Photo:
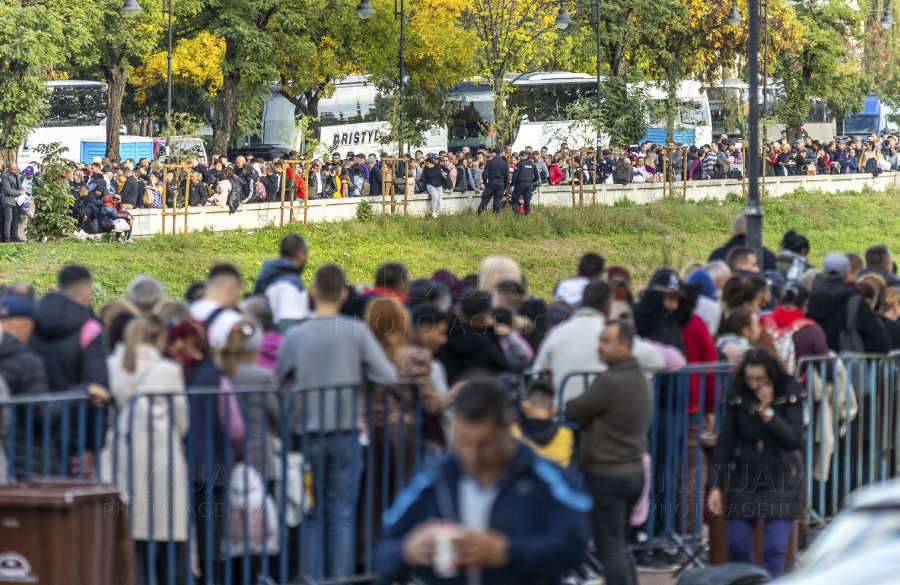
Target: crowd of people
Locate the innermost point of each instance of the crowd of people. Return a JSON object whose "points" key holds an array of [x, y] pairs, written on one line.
{"points": [[454, 337], [104, 191]]}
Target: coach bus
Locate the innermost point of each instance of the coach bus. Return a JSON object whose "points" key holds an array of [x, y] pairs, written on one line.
{"points": [[730, 94], [542, 100], [348, 119], [75, 110]]}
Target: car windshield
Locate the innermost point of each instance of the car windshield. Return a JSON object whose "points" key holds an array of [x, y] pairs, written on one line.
{"points": [[848, 534], [861, 124]]}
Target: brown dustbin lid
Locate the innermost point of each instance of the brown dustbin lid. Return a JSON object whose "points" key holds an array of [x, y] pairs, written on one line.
{"points": [[55, 493]]}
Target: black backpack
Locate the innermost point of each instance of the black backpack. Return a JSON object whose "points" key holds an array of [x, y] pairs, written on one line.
{"points": [[850, 340], [235, 196], [460, 179]]}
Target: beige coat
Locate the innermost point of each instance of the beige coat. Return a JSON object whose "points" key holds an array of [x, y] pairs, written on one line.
{"points": [[154, 469]]}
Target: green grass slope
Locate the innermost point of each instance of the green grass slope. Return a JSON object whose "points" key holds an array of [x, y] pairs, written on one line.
{"points": [[547, 244]]}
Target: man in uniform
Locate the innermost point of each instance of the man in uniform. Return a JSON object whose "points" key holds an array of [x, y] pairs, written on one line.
{"points": [[523, 183], [496, 179]]}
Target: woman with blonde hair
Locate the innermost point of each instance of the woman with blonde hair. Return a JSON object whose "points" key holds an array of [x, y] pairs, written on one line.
{"points": [[150, 464]]}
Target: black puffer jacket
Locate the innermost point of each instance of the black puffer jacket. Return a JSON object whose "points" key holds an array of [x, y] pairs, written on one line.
{"points": [[22, 369], [469, 352], [828, 308], [758, 465], [73, 348]]}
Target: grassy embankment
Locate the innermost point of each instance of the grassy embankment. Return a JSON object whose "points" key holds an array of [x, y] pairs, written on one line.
{"points": [[547, 244]]}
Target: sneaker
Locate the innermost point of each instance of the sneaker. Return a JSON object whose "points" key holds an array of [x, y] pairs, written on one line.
{"points": [[434, 214], [648, 562]]}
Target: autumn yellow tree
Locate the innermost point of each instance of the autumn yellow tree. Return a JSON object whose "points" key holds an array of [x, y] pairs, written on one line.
{"points": [[512, 36], [196, 71], [437, 57]]}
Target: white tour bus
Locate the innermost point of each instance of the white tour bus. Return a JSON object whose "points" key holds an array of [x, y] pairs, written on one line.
{"points": [[347, 122], [76, 110], [543, 98]]}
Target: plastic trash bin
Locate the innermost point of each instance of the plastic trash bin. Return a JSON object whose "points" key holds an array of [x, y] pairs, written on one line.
{"points": [[61, 532]]}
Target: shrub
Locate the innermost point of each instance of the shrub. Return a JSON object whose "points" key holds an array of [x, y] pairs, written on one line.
{"points": [[52, 198]]}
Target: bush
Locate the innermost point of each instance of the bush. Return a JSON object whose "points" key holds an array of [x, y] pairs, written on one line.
{"points": [[52, 198], [364, 211]]}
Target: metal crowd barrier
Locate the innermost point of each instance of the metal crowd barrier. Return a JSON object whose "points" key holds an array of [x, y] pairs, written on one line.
{"points": [[234, 487], [50, 434], [854, 427]]}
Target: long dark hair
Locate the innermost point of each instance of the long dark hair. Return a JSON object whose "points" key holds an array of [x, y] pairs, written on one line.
{"points": [[774, 370]]}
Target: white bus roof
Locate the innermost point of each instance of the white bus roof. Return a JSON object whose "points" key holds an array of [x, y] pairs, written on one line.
{"points": [[74, 83]]}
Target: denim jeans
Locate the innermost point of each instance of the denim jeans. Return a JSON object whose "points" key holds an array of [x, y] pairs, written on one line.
{"points": [[329, 531], [614, 499], [775, 543]]}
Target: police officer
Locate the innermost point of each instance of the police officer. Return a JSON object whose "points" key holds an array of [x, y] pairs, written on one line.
{"points": [[496, 178], [523, 182]]}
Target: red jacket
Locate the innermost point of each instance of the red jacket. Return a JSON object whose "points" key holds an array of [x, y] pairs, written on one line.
{"points": [[556, 175], [699, 349]]}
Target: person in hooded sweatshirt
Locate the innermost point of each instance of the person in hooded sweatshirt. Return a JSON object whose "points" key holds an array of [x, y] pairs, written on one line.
{"points": [[22, 369], [280, 282], [71, 342], [537, 428]]}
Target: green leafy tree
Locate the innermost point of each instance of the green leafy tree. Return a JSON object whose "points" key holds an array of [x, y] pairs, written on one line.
{"points": [[511, 36], [810, 68], [254, 31], [116, 40], [52, 197], [847, 94], [35, 37]]}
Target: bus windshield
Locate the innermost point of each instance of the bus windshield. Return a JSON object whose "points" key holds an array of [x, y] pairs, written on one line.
{"points": [[474, 113], [690, 114], [546, 102], [76, 105], [350, 104], [861, 125]]}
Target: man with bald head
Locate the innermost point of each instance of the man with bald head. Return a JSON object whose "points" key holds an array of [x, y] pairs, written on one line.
{"points": [[739, 239], [11, 189]]}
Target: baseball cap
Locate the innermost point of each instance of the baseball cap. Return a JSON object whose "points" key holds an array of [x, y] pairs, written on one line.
{"points": [[97, 160], [16, 307], [667, 281], [836, 265], [29, 170]]}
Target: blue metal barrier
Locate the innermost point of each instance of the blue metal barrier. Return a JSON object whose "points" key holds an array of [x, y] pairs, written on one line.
{"points": [[356, 458], [677, 442], [51, 434], [852, 438]]}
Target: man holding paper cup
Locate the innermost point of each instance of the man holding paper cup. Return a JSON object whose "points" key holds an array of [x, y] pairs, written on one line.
{"points": [[491, 513]]}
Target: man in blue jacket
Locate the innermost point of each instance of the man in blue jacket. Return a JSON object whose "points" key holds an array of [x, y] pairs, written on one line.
{"points": [[518, 520]]}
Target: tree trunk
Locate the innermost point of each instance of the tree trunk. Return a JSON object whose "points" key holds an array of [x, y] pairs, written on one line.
{"points": [[10, 153], [671, 109], [116, 78], [133, 125], [7, 155], [500, 118], [227, 106]]}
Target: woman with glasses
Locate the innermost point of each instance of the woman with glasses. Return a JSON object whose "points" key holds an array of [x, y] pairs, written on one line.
{"points": [[757, 468]]}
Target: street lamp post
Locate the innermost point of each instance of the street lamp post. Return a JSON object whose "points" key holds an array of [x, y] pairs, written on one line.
{"points": [[132, 8], [754, 211], [364, 11]]}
